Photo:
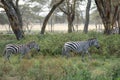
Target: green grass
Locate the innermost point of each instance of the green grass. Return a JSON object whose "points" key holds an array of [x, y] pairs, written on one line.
{"points": [[48, 64], [59, 68]]}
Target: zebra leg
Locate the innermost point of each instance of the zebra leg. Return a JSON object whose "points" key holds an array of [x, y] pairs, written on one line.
{"points": [[89, 55], [63, 51], [67, 53], [83, 56], [21, 56], [7, 57], [4, 55]]}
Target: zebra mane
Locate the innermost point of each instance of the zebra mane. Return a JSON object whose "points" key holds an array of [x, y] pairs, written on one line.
{"points": [[91, 39], [30, 44]]}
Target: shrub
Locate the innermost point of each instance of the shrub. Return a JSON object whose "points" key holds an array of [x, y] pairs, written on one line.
{"points": [[51, 44], [116, 72]]}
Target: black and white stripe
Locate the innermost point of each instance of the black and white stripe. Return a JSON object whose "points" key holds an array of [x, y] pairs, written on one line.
{"points": [[19, 49], [115, 30], [79, 46]]}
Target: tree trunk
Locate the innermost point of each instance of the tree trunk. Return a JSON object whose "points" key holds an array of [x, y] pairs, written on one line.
{"points": [[108, 11], [87, 16], [69, 26], [119, 21], [70, 20], [14, 17], [48, 16], [70, 12]]}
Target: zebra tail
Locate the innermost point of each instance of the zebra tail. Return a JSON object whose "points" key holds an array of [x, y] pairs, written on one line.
{"points": [[4, 52]]}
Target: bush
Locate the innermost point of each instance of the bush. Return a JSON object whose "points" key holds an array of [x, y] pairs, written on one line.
{"points": [[51, 44], [50, 67], [115, 73]]}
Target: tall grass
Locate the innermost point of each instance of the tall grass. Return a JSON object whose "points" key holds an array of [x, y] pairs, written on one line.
{"points": [[59, 68], [48, 64], [51, 43]]}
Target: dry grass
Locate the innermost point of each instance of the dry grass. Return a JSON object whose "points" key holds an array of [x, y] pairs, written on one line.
{"points": [[56, 27], [56, 67]]}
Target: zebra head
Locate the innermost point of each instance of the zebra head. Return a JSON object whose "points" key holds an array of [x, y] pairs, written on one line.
{"points": [[94, 42], [34, 45]]}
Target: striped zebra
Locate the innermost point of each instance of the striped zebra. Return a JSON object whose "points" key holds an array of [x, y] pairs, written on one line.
{"points": [[79, 46], [115, 30], [21, 49]]}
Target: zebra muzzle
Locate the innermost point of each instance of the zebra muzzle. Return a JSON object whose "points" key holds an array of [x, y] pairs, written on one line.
{"points": [[38, 50], [98, 47]]}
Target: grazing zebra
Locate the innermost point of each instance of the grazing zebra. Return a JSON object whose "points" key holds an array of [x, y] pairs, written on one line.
{"points": [[22, 49], [79, 46], [115, 30]]}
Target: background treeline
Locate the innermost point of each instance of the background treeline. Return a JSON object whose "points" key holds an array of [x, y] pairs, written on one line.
{"points": [[72, 12], [57, 17]]}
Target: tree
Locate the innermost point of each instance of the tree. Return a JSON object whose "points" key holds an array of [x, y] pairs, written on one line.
{"points": [[58, 2], [69, 10], [108, 10], [12, 10], [119, 19], [87, 16]]}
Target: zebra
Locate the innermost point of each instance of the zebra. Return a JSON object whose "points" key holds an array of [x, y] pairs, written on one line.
{"points": [[79, 46], [115, 30], [22, 49]]}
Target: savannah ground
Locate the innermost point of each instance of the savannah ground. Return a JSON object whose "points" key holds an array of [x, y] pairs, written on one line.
{"points": [[48, 64], [58, 68], [56, 27]]}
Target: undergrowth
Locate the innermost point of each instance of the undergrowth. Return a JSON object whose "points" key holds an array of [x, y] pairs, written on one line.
{"points": [[52, 43], [48, 64]]}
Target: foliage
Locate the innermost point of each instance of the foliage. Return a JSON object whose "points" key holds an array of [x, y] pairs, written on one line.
{"points": [[115, 72], [59, 68], [51, 43], [31, 10], [49, 65]]}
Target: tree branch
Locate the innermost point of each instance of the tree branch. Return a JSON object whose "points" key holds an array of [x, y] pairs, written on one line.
{"points": [[49, 14], [17, 1], [1, 5], [63, 10]]}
